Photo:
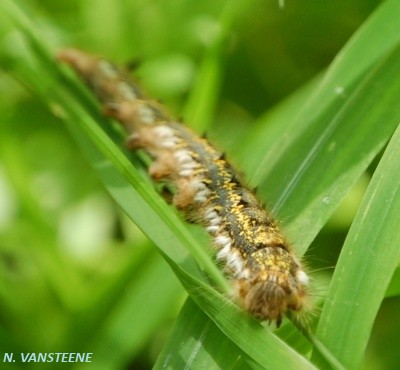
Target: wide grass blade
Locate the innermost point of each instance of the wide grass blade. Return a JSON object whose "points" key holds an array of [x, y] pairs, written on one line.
{"points": [[393, 289], [366, 265], [196, 342], [261, 346], [336, 134]]}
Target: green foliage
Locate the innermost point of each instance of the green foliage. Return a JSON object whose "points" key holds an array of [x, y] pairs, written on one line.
{"points": [[98, 285]]}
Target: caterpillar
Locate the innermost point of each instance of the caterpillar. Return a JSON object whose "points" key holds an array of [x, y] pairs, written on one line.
{"points": [[268, 279]]}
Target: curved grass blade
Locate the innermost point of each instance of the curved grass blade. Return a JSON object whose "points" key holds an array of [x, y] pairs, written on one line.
{"points": [[262, 347], [366, 265], [367, 46], [393, 289], [255, 152], [345, 140], [195, 342], [351, 102]]}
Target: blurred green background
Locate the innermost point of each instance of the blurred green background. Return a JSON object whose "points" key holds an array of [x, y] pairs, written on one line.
{"points": [[73, 268]]}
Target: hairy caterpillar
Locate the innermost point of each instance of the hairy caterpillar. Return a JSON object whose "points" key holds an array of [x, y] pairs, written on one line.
{"points": [[268, 278]]}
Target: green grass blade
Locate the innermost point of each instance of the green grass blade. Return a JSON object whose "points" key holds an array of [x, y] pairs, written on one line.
{"points": [[264, 139], [196, 342], [292, 173], [366, 265], [393, 289], [200, 105], [304, 194], [261, 346], [368, 45]]}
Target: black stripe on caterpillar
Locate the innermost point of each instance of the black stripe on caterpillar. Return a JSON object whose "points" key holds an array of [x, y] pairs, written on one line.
{"points": [[269, 280]]}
